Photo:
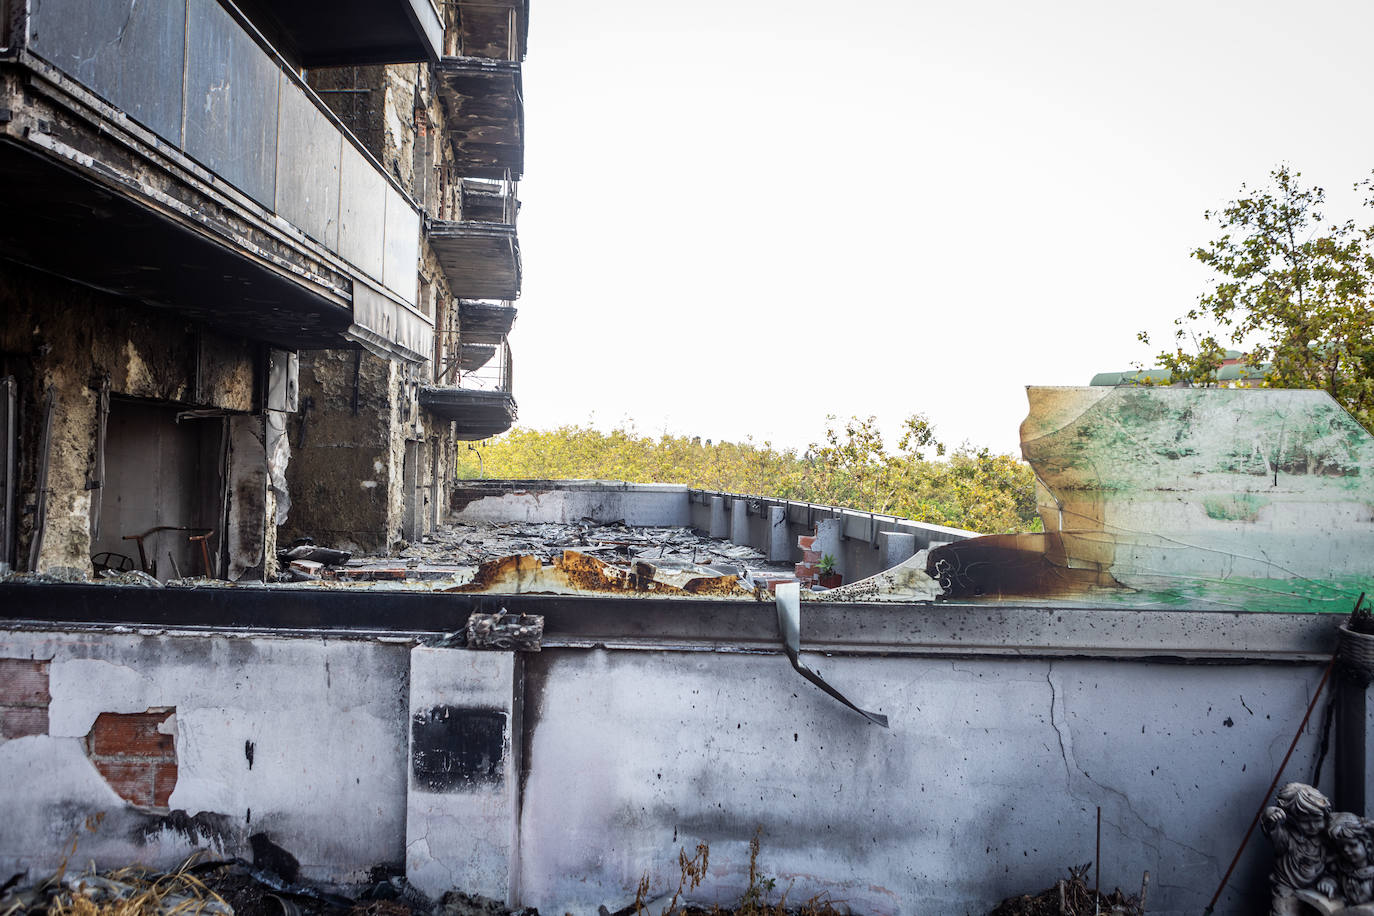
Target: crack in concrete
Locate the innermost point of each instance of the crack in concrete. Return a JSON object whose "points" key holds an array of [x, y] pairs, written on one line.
{"points": [[1157, 834]]}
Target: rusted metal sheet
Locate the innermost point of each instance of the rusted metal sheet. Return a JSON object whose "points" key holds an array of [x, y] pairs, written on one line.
{"points": [[1185, 497]]}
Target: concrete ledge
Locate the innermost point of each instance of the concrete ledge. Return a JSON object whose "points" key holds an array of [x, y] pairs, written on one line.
{"points": [[701, 624]]}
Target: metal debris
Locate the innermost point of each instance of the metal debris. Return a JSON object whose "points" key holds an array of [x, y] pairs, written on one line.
{"points": [[520, 632], [788, 602]]}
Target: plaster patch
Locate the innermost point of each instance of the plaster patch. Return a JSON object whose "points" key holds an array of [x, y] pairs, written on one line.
{"points": [[83, 688]]}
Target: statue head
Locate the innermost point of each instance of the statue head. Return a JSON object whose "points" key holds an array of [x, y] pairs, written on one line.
{"points": [[1306, 809], [1350, 837]]}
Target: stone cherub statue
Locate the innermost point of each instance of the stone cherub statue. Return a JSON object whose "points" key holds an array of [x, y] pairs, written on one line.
{"points": [[1323, 860]]}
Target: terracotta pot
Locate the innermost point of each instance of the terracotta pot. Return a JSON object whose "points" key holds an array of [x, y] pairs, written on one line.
{"points": [[834, 580]]}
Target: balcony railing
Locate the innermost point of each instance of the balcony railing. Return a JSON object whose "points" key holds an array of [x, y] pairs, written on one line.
{"points": [[209, 86], [479, 402]]}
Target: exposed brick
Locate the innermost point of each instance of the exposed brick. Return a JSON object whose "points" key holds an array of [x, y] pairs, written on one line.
{"points": [[806, 541], [806, 571], [24, 682], [19, 721], [132, 780], [811, 556], [164, 781], [132, 735]]}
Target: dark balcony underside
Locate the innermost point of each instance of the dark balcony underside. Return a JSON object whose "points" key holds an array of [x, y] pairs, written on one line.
{"points": [[493, 28], [486, 116], [485, 322], [480, 260], [330, 33], [473, 356], [478, 414], [62, 223]]}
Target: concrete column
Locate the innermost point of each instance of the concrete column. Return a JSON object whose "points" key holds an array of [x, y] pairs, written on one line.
{"points": [[739, 521], [898, 547], [462, 803], [830, 540], [719, 528], [779, 547]]}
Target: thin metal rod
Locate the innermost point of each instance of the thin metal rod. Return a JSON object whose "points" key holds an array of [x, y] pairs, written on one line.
{"points": [[1326, 675], [1097, 864]]}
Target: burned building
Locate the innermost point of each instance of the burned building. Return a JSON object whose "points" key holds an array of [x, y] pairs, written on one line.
{"points": [[235, 232]]}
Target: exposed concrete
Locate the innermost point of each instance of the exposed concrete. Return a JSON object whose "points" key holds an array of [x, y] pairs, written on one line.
{"points": [[779, 544], [739, 521], [829, 542], [898, 547], [346, 471], [719, 527], [464, 771], [569, 501]]}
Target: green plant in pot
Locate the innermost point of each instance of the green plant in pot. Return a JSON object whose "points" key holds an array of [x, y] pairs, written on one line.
{"points": [[828, 577]]}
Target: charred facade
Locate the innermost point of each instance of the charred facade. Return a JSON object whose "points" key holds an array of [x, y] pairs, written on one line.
{"points": [[221, 276]]}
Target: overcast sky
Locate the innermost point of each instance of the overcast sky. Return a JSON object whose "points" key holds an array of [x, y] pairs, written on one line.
{"points": [[742, 215]]}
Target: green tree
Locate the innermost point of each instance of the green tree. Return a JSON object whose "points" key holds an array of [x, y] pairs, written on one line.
{"points": [[1292, 291], [968, 488]]}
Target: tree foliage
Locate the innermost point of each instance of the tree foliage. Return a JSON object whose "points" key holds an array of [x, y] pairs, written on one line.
{"points": [[964, 488], [1292, 290]]}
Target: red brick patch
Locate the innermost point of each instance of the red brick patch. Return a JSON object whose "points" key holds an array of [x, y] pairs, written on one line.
{"points": [[138, 761], [806, 541], [24, 697]]}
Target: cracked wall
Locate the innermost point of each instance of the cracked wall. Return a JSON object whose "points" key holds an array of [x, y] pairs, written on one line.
{"points": [[986, 784], [557, 779]]}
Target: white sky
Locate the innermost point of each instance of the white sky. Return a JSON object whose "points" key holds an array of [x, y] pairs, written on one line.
{"points": [[741, 215]]}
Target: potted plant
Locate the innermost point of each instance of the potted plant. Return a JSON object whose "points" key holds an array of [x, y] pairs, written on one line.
{"points": [[828, 577]]}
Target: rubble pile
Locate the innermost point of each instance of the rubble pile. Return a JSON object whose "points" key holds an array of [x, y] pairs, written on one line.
{"points": [[475, 543], [226, 888]]}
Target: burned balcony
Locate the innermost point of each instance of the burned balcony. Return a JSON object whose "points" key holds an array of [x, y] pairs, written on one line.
{"points": [[332, 33], [480, 260], [495, 29], [486, 115], [478, 401], [167, 152], [485, 322]]}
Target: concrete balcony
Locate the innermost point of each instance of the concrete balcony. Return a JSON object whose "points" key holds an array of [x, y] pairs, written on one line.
{"points": [[480, 260], [495, 29], [485, 322], [164, 151], [486, 115], [480, 404]]}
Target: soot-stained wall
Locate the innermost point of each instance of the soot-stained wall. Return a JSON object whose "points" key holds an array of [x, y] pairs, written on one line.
{"points": [[157, 745], [67, 338]]}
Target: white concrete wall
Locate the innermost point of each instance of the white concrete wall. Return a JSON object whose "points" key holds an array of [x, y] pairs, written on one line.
{"points": [[986, 785], [326, 718], [565, 501]]}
